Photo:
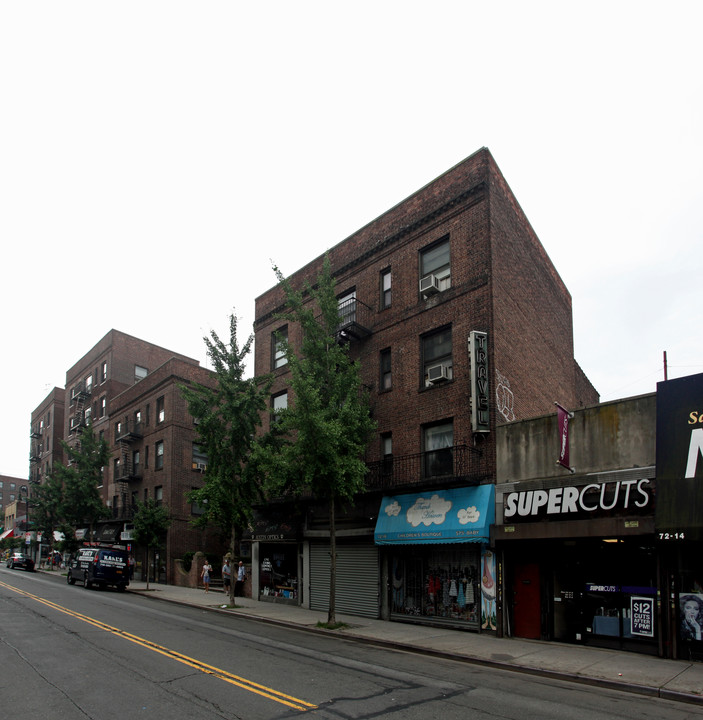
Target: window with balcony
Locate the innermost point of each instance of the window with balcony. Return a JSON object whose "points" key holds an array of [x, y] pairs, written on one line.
{"points": [[435, 268], [438, 449], [347, 307], [437, 365]]}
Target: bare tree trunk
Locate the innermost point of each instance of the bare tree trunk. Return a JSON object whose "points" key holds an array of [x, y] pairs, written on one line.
{"points": [[146, 565], [331, 612], [232, 567]]}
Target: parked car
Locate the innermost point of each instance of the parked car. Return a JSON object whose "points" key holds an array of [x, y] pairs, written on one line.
{"points": [[99, 566], [20, 560]]}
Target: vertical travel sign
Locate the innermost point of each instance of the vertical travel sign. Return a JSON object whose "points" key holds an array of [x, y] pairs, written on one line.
{"points": [[478, 356]]}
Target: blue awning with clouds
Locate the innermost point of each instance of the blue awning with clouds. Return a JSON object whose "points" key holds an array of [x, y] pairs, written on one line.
{"points": [[458, 515]]}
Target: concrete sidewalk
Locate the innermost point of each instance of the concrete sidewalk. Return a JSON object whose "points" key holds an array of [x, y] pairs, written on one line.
{"points": [[632, 672]]}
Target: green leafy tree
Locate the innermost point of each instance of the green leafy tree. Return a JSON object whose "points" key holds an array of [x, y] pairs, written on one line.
{"points": [[151, 523], [46, 503], [80, 480], [327, 424], [228, 416]]}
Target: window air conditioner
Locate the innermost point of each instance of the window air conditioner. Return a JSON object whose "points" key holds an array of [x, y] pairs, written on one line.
{"points": [[437, 373], [429, 285]]}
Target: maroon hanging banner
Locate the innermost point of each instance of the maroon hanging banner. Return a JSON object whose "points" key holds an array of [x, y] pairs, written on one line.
{"points": [[563, 416]]}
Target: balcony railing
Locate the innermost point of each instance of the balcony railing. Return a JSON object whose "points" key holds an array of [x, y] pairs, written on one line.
{"points": [[123, 511], [128, 431], [354, 320], [460, 463]]}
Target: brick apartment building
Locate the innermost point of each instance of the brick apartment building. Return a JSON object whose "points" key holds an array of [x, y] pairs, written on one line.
{"points": [[155, 456], [128, 390], [460, 322], [46, 434]]}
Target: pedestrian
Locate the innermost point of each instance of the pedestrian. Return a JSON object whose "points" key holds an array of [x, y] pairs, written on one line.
{"points": [[205, 574], [226, 576], [131, 567], [241, 577]]}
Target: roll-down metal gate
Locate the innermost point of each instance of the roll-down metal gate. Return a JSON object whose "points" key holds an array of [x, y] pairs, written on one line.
{"points": [[357, 579]]}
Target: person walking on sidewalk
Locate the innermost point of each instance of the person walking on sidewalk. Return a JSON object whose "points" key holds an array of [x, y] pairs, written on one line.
{"points": [[241, 577], [205, 574], [226, 577]]}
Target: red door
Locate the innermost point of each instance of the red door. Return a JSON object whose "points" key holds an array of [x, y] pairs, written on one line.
{"points": [[526, 601]]}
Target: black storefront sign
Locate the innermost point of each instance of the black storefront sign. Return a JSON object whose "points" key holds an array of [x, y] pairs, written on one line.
{"points": [[680, 458]]}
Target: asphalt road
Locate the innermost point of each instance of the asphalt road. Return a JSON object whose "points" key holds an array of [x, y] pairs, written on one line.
{"points": [[67, 652]]}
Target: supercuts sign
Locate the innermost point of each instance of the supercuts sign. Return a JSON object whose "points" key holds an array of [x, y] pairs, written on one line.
{"points": [[621, 497], [680, 456]]}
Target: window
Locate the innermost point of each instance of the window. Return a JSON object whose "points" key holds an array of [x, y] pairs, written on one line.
{"points": [[385, 289], [136, 464], [278, 403], [199, 458], [160, 412], [159, 449], [387, 445], [103, 372], [89, 384], [435, 268], [279, 338], [437, 357], [103, 406], [386, 378], [140, 373], [159, 495], [196, 509], [438, 444]]}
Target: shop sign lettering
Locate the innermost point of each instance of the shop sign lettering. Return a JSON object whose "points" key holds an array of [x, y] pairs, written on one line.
{"points": [[478, 357], [623, 495]]}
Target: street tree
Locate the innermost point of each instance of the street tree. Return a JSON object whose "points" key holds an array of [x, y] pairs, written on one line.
{"points": [[46, 504], [322, 435], [81, 479], [151, 523], [228, 416]]}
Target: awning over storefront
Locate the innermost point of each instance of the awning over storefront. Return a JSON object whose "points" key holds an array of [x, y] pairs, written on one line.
{"points": [[458, 515], [7, 534]]}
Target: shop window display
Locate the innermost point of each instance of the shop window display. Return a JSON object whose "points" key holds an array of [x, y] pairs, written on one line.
{"points": [[278, 573], [437, 584]]}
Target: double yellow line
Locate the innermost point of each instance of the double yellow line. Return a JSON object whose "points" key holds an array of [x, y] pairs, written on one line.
{"points": [[228, 677]]}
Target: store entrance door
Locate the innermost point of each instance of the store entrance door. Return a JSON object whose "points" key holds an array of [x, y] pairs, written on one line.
{"points": [[527, 601]]}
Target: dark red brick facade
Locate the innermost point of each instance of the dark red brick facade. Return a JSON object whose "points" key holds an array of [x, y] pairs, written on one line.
{"points": [[502, 283]]}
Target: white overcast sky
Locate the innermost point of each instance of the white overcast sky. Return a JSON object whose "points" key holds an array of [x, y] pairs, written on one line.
{"points": [[156, 157]]}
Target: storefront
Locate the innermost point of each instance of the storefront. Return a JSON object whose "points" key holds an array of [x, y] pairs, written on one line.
{"points": [[580, 560], [276, 560], [437, 559], [679, 514]]}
